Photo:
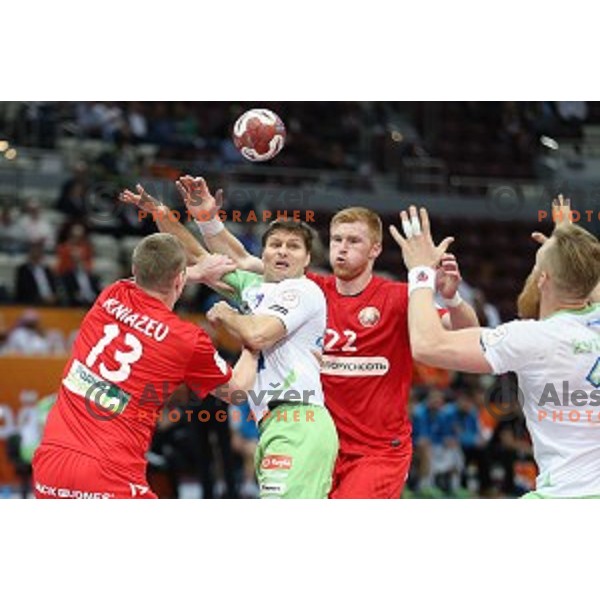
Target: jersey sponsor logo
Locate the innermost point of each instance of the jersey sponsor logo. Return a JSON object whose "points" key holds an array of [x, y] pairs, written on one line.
{"points": [[272, 488], [369, 316], [280, 309], [355, 366], [276, 461], [56, 492], [492, 337], [220, 362], [86, 384]]}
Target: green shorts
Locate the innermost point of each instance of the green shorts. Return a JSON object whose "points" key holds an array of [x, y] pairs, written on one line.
{"points": [[538, 496], [296, 452]]}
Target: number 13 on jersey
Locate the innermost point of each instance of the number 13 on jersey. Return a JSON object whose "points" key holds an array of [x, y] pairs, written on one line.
{"points": [[125, 359]]}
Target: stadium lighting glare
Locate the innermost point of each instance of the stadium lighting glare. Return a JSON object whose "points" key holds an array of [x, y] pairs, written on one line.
{"points": [[397, 136], [10, 154], [549, 142], [3, 145]]}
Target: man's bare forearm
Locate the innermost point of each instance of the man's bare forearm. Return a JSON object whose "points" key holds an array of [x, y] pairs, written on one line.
{"points": [[226, 243], [193, 248]]}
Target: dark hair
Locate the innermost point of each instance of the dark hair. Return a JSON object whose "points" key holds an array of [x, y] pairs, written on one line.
{"points": [[306, 232]]}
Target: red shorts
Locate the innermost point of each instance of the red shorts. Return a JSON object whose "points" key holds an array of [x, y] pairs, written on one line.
{"points": [[62, 473], [370, 476]]}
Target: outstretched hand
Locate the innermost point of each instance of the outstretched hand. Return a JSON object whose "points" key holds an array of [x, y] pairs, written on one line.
{"points": [[199, 201], [210, 270], [417, 246], [448, 277], [143, 200], [561, 213]]}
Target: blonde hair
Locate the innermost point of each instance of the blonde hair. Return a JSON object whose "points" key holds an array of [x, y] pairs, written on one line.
{"points": [[358, 214], [574, 260], [157, 260]]}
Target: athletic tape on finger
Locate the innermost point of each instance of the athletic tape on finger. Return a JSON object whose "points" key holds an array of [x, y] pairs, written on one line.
{"points": [[407, 228], [415, 225]]}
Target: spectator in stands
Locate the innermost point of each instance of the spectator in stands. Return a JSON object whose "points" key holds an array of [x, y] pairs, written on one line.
{"points": [[11, 234], [34, 227], [509, 444], [28, 337], [80, 285], [463, 418], [74, 249], [72, 199], [74, 266], [437, 448], [3, 338], [136, 122], [35, 282]]}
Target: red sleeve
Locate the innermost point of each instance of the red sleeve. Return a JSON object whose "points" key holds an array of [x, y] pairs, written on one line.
{"points": [[320, 280], [206, 370]]}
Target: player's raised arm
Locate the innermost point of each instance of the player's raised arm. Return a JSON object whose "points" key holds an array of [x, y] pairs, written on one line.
{"points": [[204, 268], [160, 212], [430, 342], [204, 207]]}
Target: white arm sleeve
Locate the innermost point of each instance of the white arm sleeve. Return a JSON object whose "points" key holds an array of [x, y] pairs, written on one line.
{"points": [[512, 346]]}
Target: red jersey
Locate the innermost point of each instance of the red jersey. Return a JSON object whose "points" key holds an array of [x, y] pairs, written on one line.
{"points": [[367, 364], [130, 354]]}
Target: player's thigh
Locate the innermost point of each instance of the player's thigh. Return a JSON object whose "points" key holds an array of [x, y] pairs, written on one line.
{"points": [[295, 458], [372, 477]]}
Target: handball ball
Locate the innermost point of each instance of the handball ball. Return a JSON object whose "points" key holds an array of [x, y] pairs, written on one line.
{"points": [[259, 134]]}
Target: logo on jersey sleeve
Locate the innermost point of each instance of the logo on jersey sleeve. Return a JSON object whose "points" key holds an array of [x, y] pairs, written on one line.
{"points": [[492, 337], [289, 299], [369, 316]]}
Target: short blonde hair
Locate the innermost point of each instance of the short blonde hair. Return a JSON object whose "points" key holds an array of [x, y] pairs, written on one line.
{"points": [[157, 260], [358, 214], [574, 260]]}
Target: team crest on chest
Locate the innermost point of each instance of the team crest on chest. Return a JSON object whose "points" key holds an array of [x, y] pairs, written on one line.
{"points": [[369, 316]]}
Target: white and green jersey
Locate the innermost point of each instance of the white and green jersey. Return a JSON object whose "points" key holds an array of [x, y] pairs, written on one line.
{"points": [[289, 371], [557, 361]]}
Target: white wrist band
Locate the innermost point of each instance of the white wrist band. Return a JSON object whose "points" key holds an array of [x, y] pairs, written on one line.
{"points": [[455, 301], [421, 277], [211, 227]]}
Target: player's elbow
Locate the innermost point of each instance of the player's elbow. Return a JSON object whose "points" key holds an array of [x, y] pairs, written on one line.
{"points": [[256, 340]]}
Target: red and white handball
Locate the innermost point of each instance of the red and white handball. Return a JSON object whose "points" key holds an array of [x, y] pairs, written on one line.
{"points": [[259, 134]]}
